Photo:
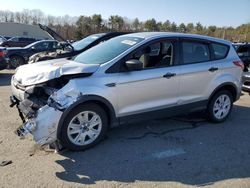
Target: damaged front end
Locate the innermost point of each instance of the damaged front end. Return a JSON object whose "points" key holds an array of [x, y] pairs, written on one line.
{"points": [[42, 91], [40, 108]]}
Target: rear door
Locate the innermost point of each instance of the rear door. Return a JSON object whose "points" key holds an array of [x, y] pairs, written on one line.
{"points": [[197, 70]]}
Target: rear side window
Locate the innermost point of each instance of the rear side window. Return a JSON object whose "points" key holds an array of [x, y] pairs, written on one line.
{"points": [[195, 52], [220, 51]]}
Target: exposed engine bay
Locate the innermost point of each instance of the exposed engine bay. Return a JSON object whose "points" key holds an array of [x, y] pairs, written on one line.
{"points": [[37, 96]]}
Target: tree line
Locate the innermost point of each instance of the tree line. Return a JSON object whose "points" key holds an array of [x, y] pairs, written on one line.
{"points": [[76, 28]]}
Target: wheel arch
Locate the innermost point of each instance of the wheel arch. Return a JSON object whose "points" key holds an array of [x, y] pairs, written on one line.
{"points": [[101, 101], [229, 86], [18, 55]]}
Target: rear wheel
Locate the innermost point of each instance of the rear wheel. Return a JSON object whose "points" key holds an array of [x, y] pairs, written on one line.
{"points": [[220, 106], [16, 61], [84, 127]]}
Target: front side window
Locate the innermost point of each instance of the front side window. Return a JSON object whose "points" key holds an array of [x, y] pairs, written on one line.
{"points": [[159, 54], [220, 51], [42, 46], [108, 50], [195, 52]]}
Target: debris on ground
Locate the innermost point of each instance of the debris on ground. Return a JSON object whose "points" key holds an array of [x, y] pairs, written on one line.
{"points": [[5, 163]]}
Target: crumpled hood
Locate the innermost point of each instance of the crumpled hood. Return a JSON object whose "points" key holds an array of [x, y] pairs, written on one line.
{"points": [[43, 71]]}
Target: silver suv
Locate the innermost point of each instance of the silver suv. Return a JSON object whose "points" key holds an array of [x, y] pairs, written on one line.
{"points": [[128, 78]]}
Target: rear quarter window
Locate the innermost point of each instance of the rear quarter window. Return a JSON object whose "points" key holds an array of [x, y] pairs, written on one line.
{"points": [[220, 51]]}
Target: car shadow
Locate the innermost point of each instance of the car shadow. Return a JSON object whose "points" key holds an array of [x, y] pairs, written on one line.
{"points": [[188, 150], [5, 78]]}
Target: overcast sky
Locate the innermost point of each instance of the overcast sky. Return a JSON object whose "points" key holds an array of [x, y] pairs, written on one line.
{"points": [[208, 12]]}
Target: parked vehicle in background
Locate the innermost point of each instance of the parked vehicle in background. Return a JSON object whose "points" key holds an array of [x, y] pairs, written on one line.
{"points": [[3, 63], [246, 82], [18, 42], [243, 51], [2, 39], [127, 78], [19, 56], [70, 50]]}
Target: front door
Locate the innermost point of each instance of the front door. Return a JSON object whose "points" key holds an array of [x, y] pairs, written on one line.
{"points": [[154, 87]]}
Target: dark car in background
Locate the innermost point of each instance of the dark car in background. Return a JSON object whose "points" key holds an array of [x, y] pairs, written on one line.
{"points": [[243, 51], [70, 50], [2, 39], [18, 56], [246, 82], [18, 42]]}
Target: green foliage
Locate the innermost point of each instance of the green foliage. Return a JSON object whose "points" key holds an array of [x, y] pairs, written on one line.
{"points": [[97, 22], [116, 23], [151, 25], [182, 28], [136, 24]]}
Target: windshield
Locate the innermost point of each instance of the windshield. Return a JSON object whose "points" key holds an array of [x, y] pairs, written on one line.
{"points": [[79, 45], [108, 50], [13, 39], [2, 39]]}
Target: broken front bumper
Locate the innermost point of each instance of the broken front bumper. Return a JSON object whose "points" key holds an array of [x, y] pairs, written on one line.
{"points": [[43, 126]]}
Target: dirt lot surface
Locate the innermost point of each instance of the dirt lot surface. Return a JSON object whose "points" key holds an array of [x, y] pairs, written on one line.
{"points": [[176, 152]]}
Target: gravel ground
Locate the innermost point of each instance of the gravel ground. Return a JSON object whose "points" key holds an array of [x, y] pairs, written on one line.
{"points": [[176, 152]]}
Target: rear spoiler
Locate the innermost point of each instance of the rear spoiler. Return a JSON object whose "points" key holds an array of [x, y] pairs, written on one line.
{"points": [[52, 33]]}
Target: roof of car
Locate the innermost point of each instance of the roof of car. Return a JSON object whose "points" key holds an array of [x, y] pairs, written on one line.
{"points": [[45, 41], [147, 35]]}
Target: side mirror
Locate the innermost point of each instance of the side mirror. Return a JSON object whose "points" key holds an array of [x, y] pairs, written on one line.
{"points": [[134, 65]]}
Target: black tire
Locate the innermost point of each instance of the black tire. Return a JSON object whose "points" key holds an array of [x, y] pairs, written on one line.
{"points": [[15, 61], [211, 115], [63, 134]]}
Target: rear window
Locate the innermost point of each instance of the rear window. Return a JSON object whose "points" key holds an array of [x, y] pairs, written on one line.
{"points": [[220, 51], [195, 52]]}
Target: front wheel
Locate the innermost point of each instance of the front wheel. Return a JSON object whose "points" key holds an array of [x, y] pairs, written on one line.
{"points": [[220, 106], [84, 127]]}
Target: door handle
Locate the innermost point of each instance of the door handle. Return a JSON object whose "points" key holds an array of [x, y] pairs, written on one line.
{"points": [[213, 69], [169, 75]]}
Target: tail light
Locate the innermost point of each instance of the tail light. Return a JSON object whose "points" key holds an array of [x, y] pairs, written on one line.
{"points": [[239, 64], [2, 54]]}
